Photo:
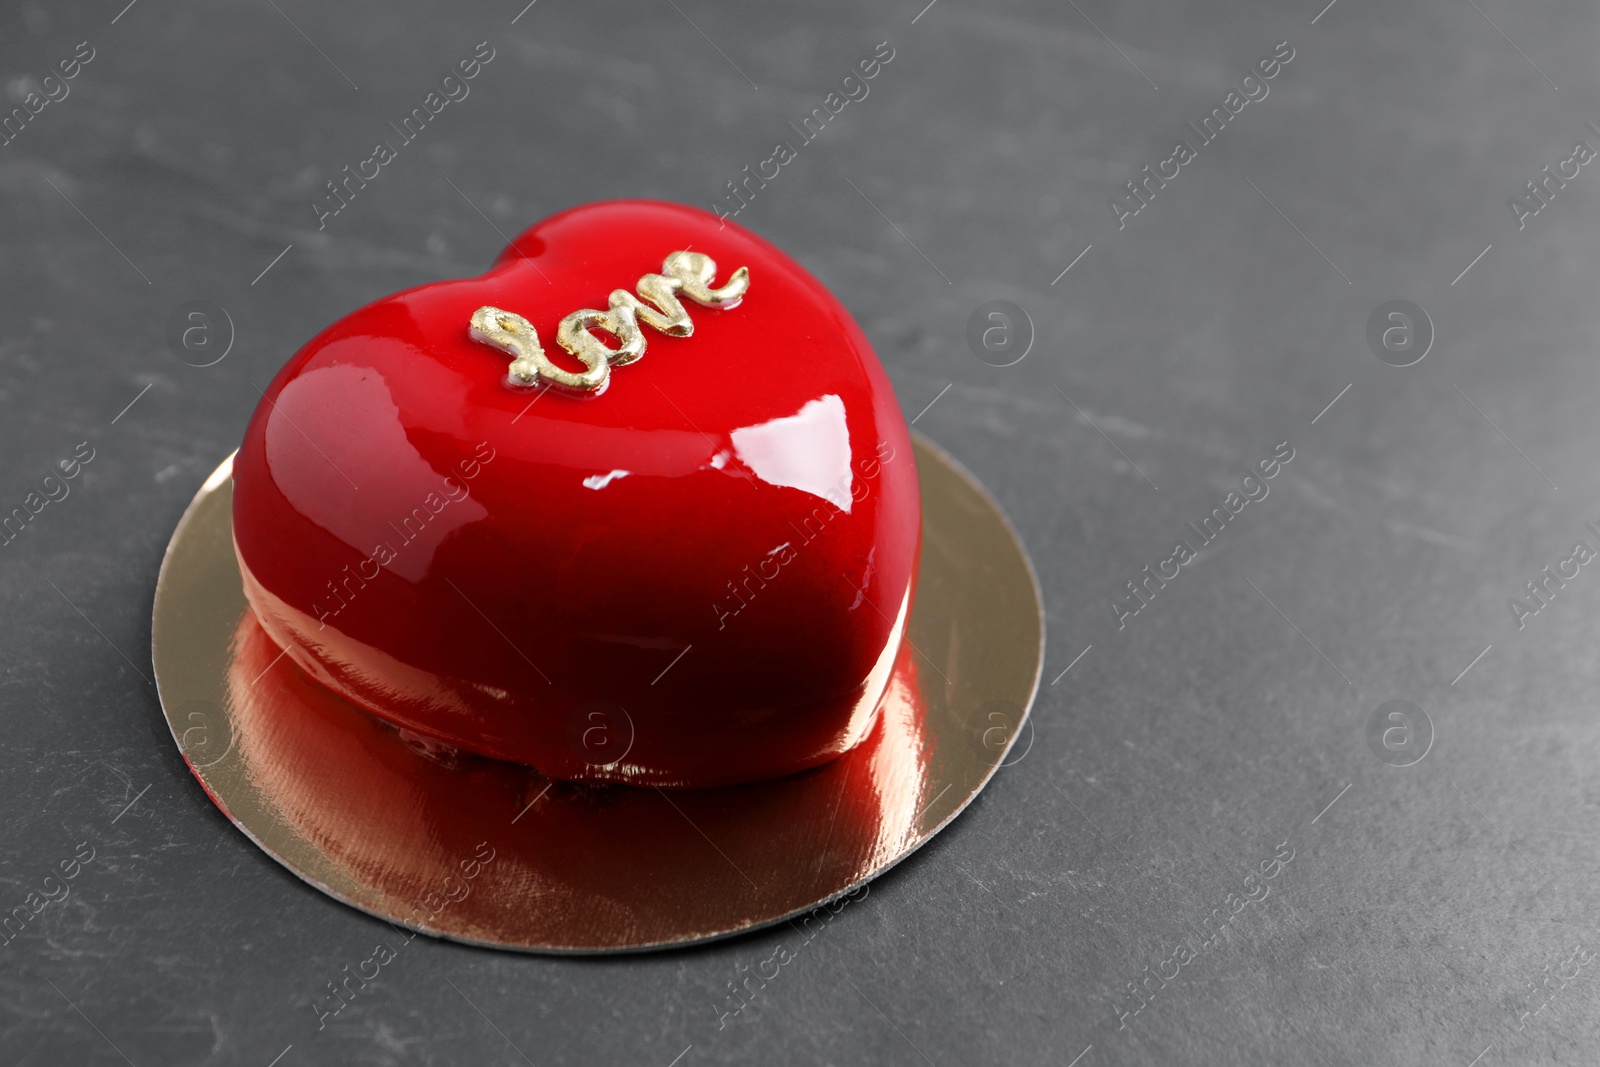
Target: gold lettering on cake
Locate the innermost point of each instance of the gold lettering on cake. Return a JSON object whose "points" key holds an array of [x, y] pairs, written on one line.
{"points": [[656, 306]]}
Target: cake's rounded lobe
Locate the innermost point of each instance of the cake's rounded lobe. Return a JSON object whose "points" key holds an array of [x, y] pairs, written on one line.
{"points": [[716, 554]]}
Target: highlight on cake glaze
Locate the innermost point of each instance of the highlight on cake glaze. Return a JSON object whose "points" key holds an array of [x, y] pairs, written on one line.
{"points": [[699, 578]]}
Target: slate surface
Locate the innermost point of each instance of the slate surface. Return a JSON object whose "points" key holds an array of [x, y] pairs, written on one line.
{"points": [[1418, 913]]}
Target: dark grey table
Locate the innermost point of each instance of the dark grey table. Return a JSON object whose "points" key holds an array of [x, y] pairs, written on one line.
{"points": [[1440, 911]]}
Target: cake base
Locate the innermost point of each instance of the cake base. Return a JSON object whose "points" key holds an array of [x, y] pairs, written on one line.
{"points": [[494, 854]]}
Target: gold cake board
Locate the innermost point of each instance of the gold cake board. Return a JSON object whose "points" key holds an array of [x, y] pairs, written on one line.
{"points": [[494, 854]]}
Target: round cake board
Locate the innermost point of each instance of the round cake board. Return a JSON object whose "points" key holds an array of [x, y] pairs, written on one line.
{"points": [[495, 854]]}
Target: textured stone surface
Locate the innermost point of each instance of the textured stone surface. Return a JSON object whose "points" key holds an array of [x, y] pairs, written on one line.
{"points": [[1177, 753]]}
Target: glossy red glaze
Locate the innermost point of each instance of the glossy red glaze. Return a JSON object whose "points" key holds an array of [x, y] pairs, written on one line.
{"points": [[723, 544]]}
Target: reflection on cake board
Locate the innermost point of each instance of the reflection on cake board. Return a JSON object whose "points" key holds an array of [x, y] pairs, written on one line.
{"points": [[495, 854]]}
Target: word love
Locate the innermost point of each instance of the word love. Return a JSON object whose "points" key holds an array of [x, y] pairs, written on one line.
{"points": [[690, 273]]}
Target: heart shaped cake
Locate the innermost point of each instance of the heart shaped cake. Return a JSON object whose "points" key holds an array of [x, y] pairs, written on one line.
{"points": [[636, 505]]}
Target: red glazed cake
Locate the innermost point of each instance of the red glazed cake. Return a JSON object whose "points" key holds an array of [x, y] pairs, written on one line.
{"points": [[666, 536]]}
